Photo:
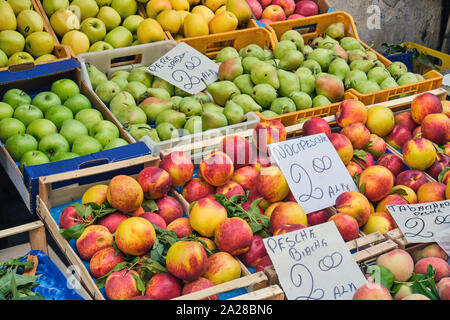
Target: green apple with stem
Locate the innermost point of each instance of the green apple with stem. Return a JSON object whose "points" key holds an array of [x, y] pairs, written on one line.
{"points": [[16, 97], [72, 129], [57, 115], [32, 158], [78, 102], [40, 128], [27, 113], [53, 143], [65, 88], [20, 143], [45, 100], [94, 28], [10, 127]]}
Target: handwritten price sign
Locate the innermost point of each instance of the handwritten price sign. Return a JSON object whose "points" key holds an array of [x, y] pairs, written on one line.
{"points": [[314, 264], [421, 222], [185, 68], [315, 173]]}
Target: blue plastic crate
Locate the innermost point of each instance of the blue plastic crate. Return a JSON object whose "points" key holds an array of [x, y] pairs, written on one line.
{"points": [[406, 58]]}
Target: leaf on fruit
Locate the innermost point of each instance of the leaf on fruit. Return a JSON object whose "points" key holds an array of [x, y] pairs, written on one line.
{"points": [[74, 232], [360, 154], [438, 148], [80, 209], [150, 206], [376, 154], [362, 188], [381, 275], [399, 191], [442, 174], [424, 283], [356, 178], [100, 282], [140, 285]]}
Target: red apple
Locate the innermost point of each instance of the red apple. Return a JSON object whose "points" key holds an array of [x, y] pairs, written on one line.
{"points": [[306, 8]]}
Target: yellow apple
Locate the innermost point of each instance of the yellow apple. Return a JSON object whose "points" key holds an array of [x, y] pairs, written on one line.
{"points": [[77, 40], [39, 43], [63, 21], [29, 21]]}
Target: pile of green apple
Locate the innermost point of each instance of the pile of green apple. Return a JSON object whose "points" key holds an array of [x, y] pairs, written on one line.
{"points": [[148, 105], [53, 125], [22, 35]]}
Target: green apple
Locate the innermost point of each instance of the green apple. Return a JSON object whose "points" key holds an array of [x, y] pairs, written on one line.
{"points": [[132, 22], [57, 115], [45, 57], [53, 143], [105, 137], [86, 145], [27, 113], [11, 42], [3, 59], [6, 111], [89, 8], [65, 88], [125, 7], [20, 57], [110, 17], [72, 129], [50, 6], [94, 28], [64, 156], [20, 5], [100, 46], [89, 117], [16, 97], [107, 90], [10, 127], [103, 125], [40, 128], [20, 143], [102, 3], [114, 143], [119, 37], [32, 158], [78, 102], [39, 44], [46, 99], [29, 21]]}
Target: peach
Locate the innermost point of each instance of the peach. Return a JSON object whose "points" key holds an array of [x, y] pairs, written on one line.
{"points": [[364, 161], [354, 204], [95, 194], [135, 236], [124, 193], [179, 166], [267, 132], [274, 13], [287, 213], [441, 266], [417, 132], [163, 286], [398, 137], [317, 217], [433, 250], [343, 147], [272, 184], [93, 239], [112, 221], [103, 261], [443, 288], [431, 192], [209, 243], [376, 146], [346, 225], [423, 105], [268, 212], [391, 161], [388, 200], [436, 127], [121, 285], [380, 120], [238, 149], [246, 206], [441, 162], [399, 262], [246, 177], [409, 195], [197, 285], [233, 235], [69, 217], [186, 260], [353, 168], [285, 228], [231, 188], [255, 253], [155, 182], [196, 189], [350, 111], [155, 219], [378, 222], [357, 133], [372, 291], [405, 119], [404, 291], [260, 160], [216, 168], [181, 226], [376, 182], [316, 125], [205, 215], [169, 209], [416, 296], [263, 263], [411, 178], [222, 267]]}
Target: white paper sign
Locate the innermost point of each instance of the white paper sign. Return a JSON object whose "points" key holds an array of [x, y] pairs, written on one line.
{"points": [[314, 264], [314, 171], [421, 222], [443, 240], [185, 68]]}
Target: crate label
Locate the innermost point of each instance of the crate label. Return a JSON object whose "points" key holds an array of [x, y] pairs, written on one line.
{"points": [[313, 169], [185, 68], [421, 222], [314, 264]]}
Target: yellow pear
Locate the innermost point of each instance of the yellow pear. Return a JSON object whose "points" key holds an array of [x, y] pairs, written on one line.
{"points": [[195, 25], [154, 7], [241, 10], [180, 4], [29, 21], [110, 17], [223, 22], [77, 40], [8, 18], [206, 12], [170, 20], [221, 9], [150, 30], [214, 4], [63, 21]]}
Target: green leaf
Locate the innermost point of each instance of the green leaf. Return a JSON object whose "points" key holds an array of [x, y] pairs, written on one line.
{"points": [[362, 188], [438, 148], [442, 174], [396, 287], [360, 154], [13, 286], [399, 191], [356, 178], [139, 283], [381, 275], [74, 232], [376, 154], [150, 206]]}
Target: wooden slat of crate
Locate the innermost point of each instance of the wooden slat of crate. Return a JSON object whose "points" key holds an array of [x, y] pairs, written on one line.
{"points": [[273, 292], [36, 232]]}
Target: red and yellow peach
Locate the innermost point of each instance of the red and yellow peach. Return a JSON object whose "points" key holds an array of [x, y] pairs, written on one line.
{"points": [[135, 236]]}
